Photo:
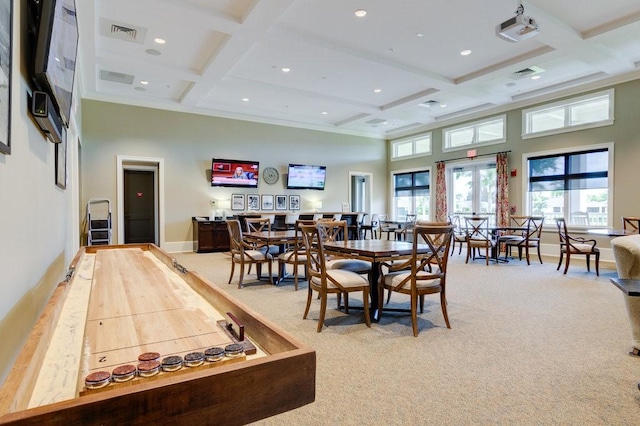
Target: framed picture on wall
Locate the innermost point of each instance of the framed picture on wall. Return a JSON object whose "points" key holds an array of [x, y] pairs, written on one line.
{"points": [[267, 202], [6, 25], [281, 202], [237, 202], [294, 202], [253, 202]]}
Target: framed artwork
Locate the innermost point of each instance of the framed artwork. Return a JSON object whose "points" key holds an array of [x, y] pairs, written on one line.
{"points": [[61, 161], [294, 202], [253, 202], [281, 202], [267, 202], [237, 202], [6, 25]]}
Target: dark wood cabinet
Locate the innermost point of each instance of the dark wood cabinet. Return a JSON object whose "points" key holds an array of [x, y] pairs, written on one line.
{"points": [[210, 235]]}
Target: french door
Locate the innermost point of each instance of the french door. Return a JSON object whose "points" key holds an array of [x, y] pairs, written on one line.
{"points": [[473, 190]]}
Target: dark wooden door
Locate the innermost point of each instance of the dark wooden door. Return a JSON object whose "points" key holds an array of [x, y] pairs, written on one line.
{"points": [[139, 206]]}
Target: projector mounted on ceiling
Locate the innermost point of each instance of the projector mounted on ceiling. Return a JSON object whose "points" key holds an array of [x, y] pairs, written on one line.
{"points": [[518, 28]]}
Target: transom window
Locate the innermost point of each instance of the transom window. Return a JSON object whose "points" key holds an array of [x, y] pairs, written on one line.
{"points": [[572, 185], [486, 132], [578, 113], [413, 147], [411, 194]]}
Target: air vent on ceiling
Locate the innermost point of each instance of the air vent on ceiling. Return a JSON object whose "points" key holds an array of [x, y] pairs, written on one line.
{"points": [[116, 77], [526, 72], [429, 103], [375, 121], [122, 31]]}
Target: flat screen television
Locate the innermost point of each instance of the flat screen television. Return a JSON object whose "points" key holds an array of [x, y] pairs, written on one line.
{"points": [[234, 173], [302, 176], [55, 49]]}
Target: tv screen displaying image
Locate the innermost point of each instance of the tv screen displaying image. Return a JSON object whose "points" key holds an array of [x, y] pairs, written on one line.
{"points": [[306, 177], [234, 173]]}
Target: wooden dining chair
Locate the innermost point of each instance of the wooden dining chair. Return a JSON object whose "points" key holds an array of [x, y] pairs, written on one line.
{"points": [[295, 255], [244, 253], [515, 231], [405, 232], [570, 246], [631, 224], [372, 227], [530, 239], [478, 237], [329, 281], [422, 274], [459, 233]]}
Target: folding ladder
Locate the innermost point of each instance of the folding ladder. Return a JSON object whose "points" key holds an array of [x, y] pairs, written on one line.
{"points": [[99, 221]]}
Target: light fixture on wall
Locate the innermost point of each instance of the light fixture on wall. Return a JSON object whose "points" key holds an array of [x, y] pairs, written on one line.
{"points": [[316, 205]]}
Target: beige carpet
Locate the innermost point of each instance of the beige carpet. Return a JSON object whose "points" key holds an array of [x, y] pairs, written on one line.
{"points": [[528, 346]]}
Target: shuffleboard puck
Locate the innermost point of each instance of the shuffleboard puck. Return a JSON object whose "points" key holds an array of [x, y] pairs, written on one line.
{"points": [[149, 356], [97, 380], [194, 359], [148, 368], [172, 363], [234, 350], [214, 354], [124, 373]]}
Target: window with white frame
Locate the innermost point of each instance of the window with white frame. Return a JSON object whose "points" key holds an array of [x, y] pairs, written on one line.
{"points": [[413, 147], [583, 112], [486, 132], [411, 194], [573, 185]]}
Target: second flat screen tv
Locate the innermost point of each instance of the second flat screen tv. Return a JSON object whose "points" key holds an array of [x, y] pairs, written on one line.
{"points": [[234, 173], [302, 176]]}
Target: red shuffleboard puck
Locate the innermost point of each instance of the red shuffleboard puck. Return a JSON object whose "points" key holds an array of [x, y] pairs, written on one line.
{"points": [[149, 356], [148, 368], [124, 373], [97, 380]]}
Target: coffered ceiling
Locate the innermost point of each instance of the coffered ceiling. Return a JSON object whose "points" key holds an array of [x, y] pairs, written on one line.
{"points": [[393, 72]]}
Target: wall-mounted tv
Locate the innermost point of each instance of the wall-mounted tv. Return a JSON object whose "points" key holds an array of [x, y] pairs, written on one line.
{"points": [[302, 176], [234, 173], [55, 31]]}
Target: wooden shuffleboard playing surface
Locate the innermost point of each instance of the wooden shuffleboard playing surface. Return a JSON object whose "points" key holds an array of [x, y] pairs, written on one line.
{"points": [[136, 306], [123, 301]]}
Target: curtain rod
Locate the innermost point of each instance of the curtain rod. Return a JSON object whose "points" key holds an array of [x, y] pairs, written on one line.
{"points": [[471, 158]]}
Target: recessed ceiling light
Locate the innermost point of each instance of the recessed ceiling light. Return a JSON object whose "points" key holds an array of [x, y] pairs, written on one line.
{"points": [[245, 99], [443, 105], [419, 35], [159, 40], [535, 77], [285, 69], [145, 82], [324, 113], [465, 52], [377, 90], [360, 13]]}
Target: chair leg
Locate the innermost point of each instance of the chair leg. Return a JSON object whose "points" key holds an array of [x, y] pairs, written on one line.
{"points": [[588, 263], [560, 261], [270, 269], [309, 297], [468, 254], [241, 275], [566, 262], [233, 266], [295, 276], [346, 303], [323, 310], [443, 303], [414, 315], [597, 264], [365, 306], [539, 255]]}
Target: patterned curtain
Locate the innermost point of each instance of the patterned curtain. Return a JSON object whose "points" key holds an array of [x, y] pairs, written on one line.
{"points": [[502, 196], [441, 193]]}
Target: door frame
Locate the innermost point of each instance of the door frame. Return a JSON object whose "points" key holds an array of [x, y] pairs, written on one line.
{"points": [[141, 163], [368, 189]]}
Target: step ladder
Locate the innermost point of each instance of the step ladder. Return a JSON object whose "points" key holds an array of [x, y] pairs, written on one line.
{"points": [[99, 222]]}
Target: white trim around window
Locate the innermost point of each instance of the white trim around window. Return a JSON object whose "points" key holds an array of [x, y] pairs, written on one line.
{"points": [[569, 115], [488, 131], [415, 146]]}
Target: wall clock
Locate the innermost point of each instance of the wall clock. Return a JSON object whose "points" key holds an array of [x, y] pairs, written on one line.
{"points": [[270, 175]]}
